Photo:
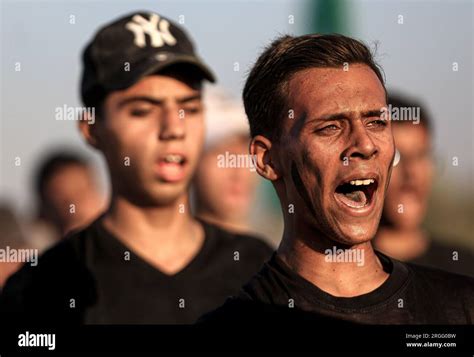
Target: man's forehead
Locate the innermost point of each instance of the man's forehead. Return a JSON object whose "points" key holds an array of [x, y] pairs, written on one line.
{"points": [[323, 74], [354, 103], [350, 107], [165, 81], [318, 92]]}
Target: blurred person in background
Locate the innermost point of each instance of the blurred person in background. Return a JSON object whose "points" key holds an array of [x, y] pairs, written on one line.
{"points": [[401, 233], [12, 236], [68, 196], [224, 190]]}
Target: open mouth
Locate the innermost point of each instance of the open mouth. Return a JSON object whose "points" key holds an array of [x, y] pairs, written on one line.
{"points": [[171, 167], [173, 159], [357, 193]]}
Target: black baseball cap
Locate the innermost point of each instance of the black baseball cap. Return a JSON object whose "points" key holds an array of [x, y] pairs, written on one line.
{"points": [[132, 47]]}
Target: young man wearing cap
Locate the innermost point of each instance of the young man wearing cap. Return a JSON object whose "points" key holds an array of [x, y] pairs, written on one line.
{"points": [[317, 111], [146, 260]]}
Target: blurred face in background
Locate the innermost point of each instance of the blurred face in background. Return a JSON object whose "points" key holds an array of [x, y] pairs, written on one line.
{"points": [[411, 179], [225, 192], [73, 185]]}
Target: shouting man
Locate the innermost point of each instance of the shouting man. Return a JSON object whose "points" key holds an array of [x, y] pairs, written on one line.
{"points": [[318, 117]]}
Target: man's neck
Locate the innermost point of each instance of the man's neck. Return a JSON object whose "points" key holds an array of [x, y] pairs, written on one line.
{"points": [[168, 237], [345, 276]]}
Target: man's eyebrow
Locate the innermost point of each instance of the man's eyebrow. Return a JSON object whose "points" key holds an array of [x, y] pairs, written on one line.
{"points": [[141, 98], [347, 115], [372, 113], [157, 101], [335, 116], [190, 98]]}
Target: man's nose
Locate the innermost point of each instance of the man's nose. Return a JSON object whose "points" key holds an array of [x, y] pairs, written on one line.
{"points": [[362, 146], [172, 124]]}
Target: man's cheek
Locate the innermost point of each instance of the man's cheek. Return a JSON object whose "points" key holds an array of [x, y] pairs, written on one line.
{"points": [[195, 149], [128, 155]]}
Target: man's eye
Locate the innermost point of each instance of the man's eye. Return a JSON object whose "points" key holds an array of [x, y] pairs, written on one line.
{"points": [[378, 123], [192, 110], [140, 112], [328, 128]]}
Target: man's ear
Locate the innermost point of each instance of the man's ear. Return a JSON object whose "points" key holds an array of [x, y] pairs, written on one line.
{"points": [[88, 127], [259, 149]]}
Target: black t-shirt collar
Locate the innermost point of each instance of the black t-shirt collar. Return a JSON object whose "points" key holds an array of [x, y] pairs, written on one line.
{"points": [[303, 290], [112, 247]]}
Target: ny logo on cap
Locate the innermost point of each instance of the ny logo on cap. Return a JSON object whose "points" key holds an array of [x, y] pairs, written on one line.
{"points": [[157, 29]]}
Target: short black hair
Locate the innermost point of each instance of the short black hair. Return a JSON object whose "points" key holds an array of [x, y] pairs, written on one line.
{"points": [[263, 94]]}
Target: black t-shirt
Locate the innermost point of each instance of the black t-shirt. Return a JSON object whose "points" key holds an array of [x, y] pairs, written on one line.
{"points": [[446, 257], [411, 295], [90, 278]]}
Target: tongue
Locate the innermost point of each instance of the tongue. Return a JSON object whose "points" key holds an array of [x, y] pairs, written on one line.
{"points": [[357, 196]]}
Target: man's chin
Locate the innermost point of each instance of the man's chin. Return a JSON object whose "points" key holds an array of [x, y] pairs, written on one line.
{"points": [[167, 194], [354, 235], [158, 195], [349, 229]]}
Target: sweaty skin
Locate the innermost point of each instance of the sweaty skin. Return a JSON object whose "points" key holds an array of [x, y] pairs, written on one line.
{"points": [[337, 135], [301, 188]]}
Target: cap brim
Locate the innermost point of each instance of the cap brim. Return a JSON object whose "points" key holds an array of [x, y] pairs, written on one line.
{"points": [[153, 65], [192, 61]]}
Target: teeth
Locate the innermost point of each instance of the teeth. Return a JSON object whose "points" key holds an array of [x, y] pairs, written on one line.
{"points": [[362, 182], [173, 158]]}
